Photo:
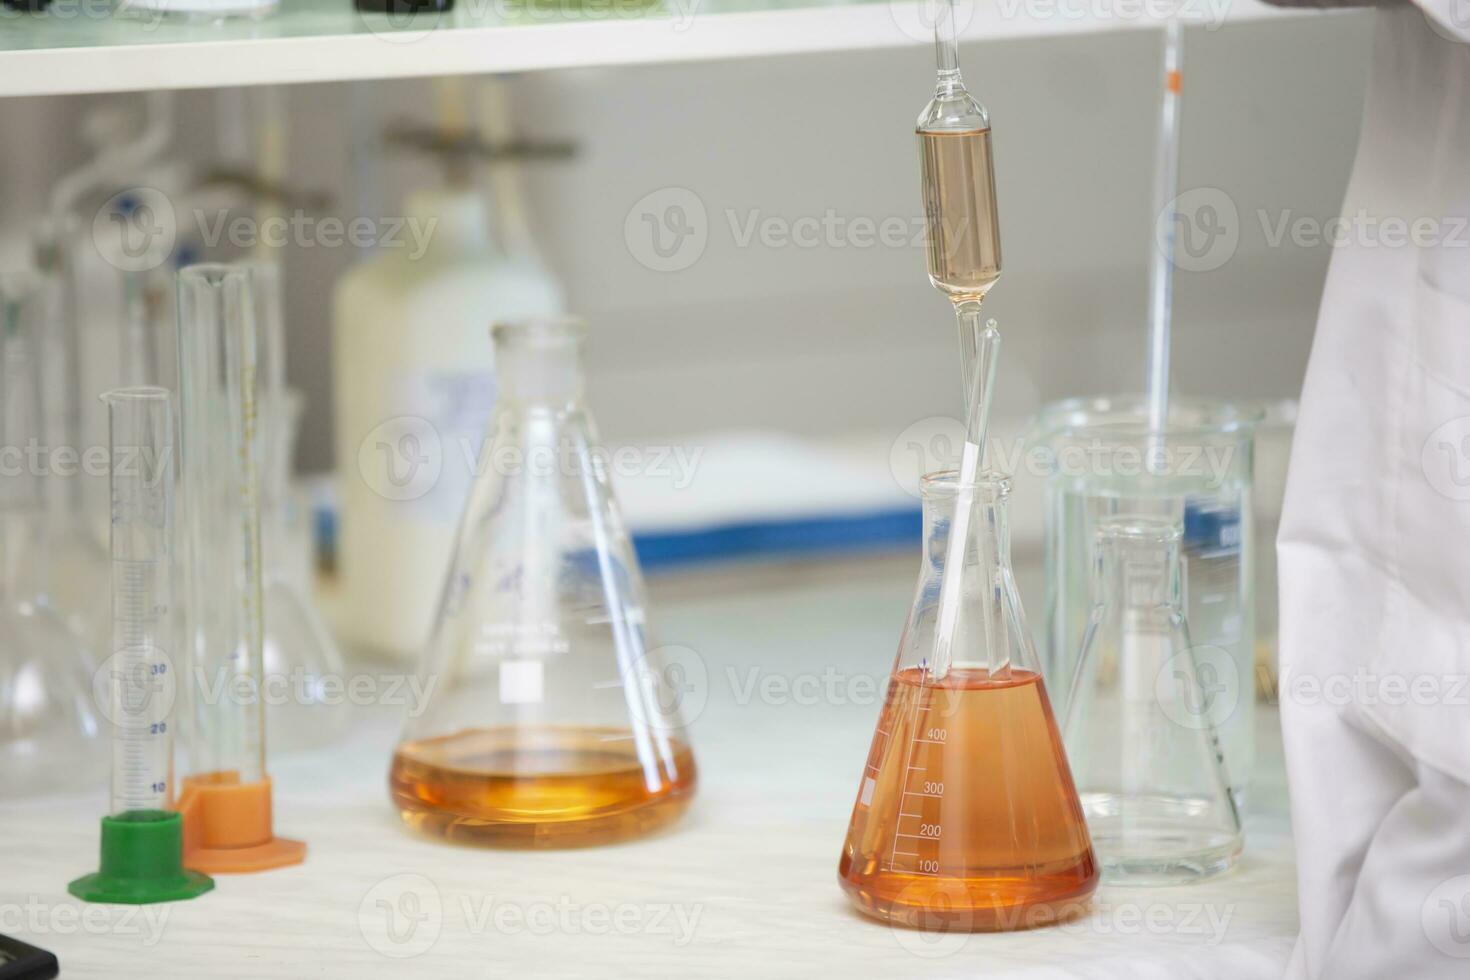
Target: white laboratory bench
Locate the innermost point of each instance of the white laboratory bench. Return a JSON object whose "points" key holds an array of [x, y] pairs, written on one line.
{"points": [[744, 886]]}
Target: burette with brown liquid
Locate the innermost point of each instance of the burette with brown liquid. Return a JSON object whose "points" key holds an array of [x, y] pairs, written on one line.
{"points": [[958, 171], [961, 219]]}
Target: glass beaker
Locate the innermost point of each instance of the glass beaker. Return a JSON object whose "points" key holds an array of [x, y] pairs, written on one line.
{"points": [[1147, 760], [1102, 461], [966, 816], [551, 719]]}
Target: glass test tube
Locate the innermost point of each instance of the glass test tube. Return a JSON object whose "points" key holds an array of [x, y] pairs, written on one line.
{"points": [[220, 519], [140, 431]]}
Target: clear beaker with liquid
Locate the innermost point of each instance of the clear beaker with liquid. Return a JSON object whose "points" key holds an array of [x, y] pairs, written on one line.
{"points": [[1102, 461], [551, 719], [966, 817]]}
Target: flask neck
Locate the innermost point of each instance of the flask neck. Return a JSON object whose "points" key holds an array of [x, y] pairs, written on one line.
{"points": [[988, 529], [949, 85], [1138, 568], [538, 363]]}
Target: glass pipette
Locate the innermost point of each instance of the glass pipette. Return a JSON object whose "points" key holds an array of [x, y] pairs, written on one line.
{"points": [[142, 840], [1161, 268], [963, 224]]}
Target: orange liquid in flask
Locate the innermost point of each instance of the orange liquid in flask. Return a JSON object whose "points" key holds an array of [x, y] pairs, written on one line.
{"points": [[967, 818], [540, 787]]}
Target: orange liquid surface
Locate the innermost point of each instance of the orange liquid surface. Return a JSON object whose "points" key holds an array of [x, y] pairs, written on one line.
{"points": [[967, 818], [539, 787]]}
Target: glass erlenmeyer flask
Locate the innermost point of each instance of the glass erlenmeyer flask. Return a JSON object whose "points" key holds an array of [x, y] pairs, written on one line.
{"points": [[48, 722], [1201, 479], [552, 720], [966, 817], [298, 648], [80, 568], [1138, 725]]}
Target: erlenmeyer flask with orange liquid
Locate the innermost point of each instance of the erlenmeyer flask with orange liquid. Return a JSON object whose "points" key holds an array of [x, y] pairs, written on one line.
{"points": [[966, 817], [551, 719]]}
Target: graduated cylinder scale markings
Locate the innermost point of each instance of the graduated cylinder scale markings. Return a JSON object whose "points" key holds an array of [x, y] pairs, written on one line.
{"points": [[141, 679]]}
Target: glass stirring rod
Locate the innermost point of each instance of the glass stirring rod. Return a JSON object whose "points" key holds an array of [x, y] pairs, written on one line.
{"points": [[951, 585]]}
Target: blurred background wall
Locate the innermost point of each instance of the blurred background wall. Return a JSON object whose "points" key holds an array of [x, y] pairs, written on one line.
{"points": [[844, 335]]}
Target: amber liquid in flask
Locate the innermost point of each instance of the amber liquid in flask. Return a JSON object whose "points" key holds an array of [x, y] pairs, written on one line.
{"points": [[966, 807], [552, 786], [963, 225], [966, 817]]}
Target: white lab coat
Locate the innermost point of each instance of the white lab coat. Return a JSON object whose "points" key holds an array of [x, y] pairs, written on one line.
{"points": [[1374, 547]]}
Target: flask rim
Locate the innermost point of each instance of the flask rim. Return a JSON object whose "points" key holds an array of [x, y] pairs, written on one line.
{"points": [[540, 331], [1139, 528], [1124, 418], [943, 484], [214, 275]]}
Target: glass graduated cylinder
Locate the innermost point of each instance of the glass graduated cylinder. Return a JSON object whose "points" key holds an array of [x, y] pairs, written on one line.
{"points": [[141, 676], [219, 520], [966, 816]]}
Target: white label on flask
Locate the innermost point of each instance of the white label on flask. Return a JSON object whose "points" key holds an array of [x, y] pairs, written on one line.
{"points": [[522, 682], [865, 797]]}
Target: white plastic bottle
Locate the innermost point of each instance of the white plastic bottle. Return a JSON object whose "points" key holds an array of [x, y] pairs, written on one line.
{"points": [[413, 373]]}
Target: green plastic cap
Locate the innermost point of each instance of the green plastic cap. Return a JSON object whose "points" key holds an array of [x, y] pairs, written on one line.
{"points": [[142, 862]]}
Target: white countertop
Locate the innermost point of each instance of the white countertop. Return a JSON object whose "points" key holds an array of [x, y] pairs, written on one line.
{"points": [[745, 885]]}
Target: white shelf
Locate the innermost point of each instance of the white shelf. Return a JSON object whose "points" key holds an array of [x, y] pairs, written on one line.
{"points": [[326, 40]]}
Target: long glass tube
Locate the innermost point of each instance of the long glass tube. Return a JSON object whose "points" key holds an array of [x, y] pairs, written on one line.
{"points": [[220, 518], [977, 410], [271, 407], [140, 436], [1161, 269]]}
